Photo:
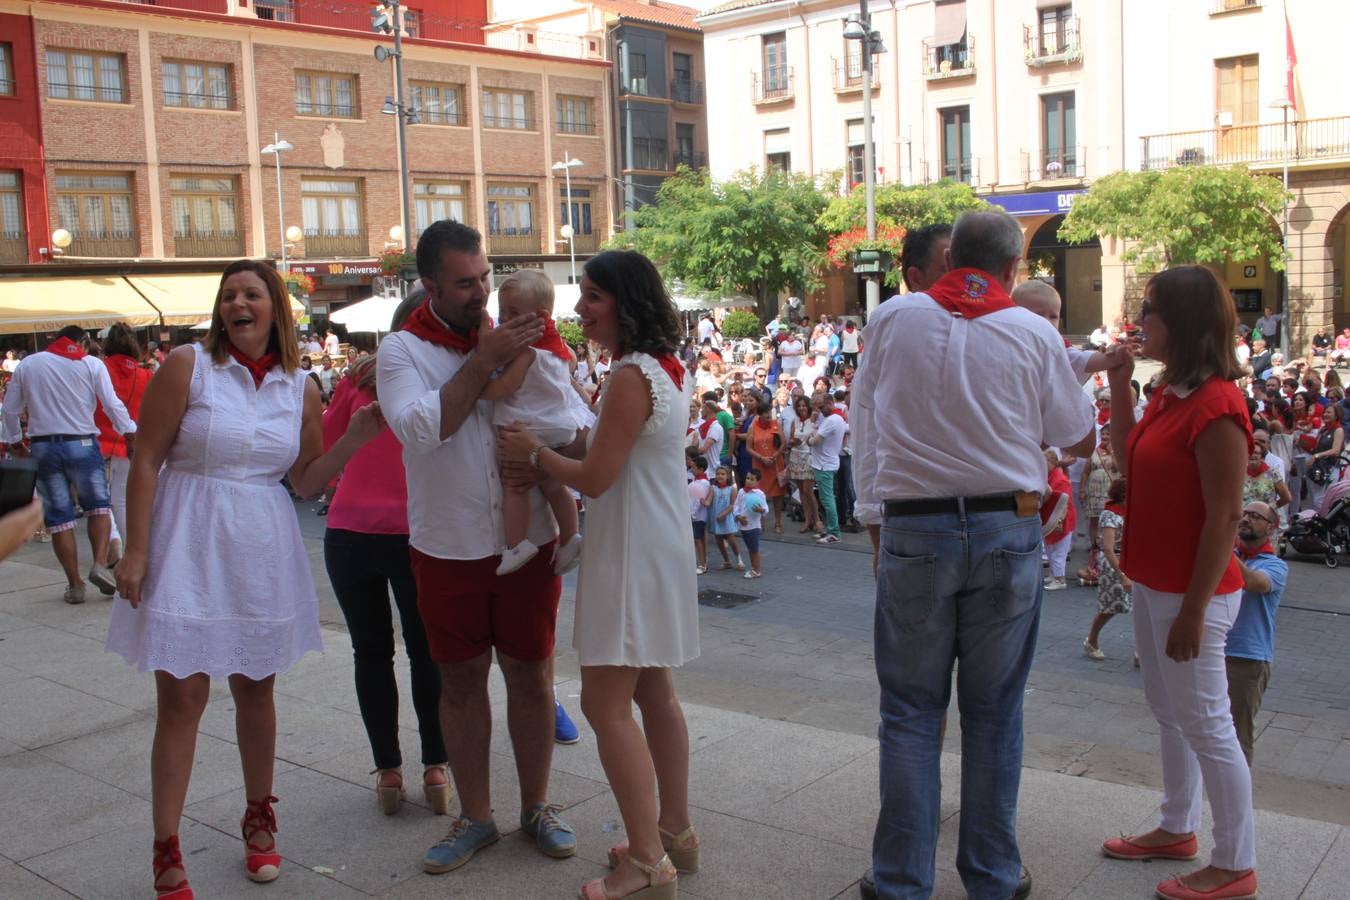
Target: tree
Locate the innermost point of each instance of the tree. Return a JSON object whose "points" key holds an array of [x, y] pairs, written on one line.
{"points": [[741, 323], [1186, 214], [756, 233]]}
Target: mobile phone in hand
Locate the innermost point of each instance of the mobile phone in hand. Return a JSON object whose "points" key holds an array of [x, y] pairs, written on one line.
{"points": [[18, 478]]}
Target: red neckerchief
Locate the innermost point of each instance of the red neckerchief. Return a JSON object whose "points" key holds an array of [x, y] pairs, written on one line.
{"points": [[424, 324], [551, 341], [673, 367], [1067, 345], [1103, 416], [1244, 554], [1117, 508], [1258, 471], [258, 368], [969, 293], [705, 425], [849, 327], [703, 477], [66, 348]]}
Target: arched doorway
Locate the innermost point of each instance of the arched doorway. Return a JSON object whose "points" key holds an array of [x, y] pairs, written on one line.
{"points": [[1338, 253], [1075, 270]]}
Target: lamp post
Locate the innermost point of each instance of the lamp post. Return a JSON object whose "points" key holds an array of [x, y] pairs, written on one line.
{"points": [[1284, 104], [858, 27], [387, 19], [568, 230], [275, 149]]}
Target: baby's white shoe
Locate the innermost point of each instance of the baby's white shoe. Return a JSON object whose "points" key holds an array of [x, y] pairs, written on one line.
{"points": [[568, 556], [515, 557]]}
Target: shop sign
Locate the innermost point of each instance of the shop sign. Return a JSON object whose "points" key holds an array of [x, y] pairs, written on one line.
{"points": [[349, 272], [1039, 203]]}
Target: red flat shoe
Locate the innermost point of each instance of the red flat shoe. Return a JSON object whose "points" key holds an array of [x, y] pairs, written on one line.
{"points": [[168, 856], [1241, 888], [263, 863], [1124, 848]]}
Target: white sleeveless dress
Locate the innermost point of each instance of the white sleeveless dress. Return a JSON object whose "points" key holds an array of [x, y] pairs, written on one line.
{"points": [[228, 587], [637, 593]]}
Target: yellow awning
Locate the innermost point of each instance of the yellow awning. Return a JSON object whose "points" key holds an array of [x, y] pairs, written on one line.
{"points": [[185, 299], [42, 303]]}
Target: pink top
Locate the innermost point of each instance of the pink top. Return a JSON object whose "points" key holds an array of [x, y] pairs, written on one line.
{"points": [[372, 495]]}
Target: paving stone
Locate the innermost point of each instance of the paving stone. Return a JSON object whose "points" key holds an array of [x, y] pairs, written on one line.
{"points": [[39, 712], [16, 881], [70, 806], [1333, 873]]}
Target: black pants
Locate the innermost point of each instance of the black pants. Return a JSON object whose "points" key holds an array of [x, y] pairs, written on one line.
{"points": [[851, 359], [362, 568], [843, 489]]}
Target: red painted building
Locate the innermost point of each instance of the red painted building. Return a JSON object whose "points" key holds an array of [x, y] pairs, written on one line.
{"points": [[23, 225]]}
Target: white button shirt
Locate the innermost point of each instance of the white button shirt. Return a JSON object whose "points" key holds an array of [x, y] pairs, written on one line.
{"points": [[60, 395], [952, 407], [454, 487]]}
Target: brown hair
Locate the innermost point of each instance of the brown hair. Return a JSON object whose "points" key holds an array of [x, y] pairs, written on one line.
{"points": [[363, 372], [1201, 320], [283, 323]]}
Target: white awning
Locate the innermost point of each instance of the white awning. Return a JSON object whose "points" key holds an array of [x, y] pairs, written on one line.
{"points": [[950, 24], [778, 140]]}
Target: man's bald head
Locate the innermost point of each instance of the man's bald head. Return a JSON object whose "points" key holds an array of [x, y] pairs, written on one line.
{"points": [[1038, 297], [988, 240]]}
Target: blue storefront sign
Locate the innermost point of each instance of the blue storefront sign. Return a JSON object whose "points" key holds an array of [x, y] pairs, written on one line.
{"points": [[1040, 203]]}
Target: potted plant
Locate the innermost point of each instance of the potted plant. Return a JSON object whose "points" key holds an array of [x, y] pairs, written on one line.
{"points": [[394, 262], [876, 254], [298, 283]]}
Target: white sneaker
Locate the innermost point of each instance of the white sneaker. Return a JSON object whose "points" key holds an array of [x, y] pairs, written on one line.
{"points": [[515, 557], [568, 556], [1055, 584], [1093, 652]]}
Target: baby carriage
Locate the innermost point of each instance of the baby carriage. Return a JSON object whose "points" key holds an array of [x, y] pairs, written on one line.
{"points": [[1323, 532]]}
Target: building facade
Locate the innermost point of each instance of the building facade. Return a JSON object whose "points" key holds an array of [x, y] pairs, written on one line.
{"points": [[139, 130]]}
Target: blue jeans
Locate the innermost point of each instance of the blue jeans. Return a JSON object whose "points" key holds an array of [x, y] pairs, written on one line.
{"points": [[63, 463], [952, 587]]}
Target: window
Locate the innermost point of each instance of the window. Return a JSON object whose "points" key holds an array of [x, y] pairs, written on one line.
{"points": [[857, 148], [684, 146], [325, 94], [1059, 135], [510, 210], [1236, 100], [574, 115], [580, 215], [100, 77], [780, 161], [956, 144], [644, 136], [198, 85], [11, 208], [682, 79], [436, 200], [950, 43], [97, 210], [637, 74], [1056, 29], [6, 70], [412, 22], [508, 109], [778, 149], [775, 63], [437, 104], [205, 216], [274, 10], [331, 207]]}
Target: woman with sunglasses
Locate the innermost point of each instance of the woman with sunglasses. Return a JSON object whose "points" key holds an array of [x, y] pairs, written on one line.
{"points": [[1185, 463]]}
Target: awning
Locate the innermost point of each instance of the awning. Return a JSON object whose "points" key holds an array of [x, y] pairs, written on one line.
{"points": [[950, 25], [186, 299], [40, 303]]}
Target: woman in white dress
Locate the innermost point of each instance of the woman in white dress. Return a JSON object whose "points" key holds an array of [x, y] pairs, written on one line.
{"points": [[215, 580], [637, 604]]}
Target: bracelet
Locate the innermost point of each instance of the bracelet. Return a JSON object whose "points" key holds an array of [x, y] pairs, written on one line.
{"points": [[534, 455]]}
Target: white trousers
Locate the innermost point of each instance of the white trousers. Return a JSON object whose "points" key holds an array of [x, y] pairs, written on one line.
{"points": [[119, 467], [1058, 554], [1200, 749]]}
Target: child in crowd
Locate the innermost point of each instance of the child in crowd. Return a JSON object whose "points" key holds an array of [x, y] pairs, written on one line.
{"points": [[1043, 300], [720, 521], [1057, 520], [700, 497], [536, 388], [1113, 585], [749, 514]]}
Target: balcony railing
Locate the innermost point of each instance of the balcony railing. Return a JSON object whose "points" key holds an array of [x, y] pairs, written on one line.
{"points": [[215, 6], [964, 170], [1055, 164], [1049, 48], [1312, 140], [118, 245], [639, 86], [199, 245], [349, 15], [949, 60], [848, 73], [323, 246], [1218, 7], [686, 91], [513, 243], [692, 160], [13, 248], [586, 243], [576, 127], [773, 85], [649, 153], [510, 123]]}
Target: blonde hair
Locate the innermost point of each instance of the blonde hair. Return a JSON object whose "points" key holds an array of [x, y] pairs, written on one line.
{"points": [[531, 285]]}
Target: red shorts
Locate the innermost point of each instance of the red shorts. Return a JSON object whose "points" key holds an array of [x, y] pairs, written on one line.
{"points": [[467, 609]]}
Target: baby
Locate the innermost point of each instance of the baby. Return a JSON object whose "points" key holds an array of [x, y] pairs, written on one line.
{"points": [[1042, 299], [535, 388]]}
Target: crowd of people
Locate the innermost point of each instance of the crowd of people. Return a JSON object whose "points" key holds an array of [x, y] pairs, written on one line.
{"points": [[458, 453]]}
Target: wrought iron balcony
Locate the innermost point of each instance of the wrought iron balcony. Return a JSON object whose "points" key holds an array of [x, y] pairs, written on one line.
{"points": [[686, 91], [773, 85], [325, 245], [114, 244], [690, 159], [1049, 48], [576, 127], [949, 60], [513, 243], [13, 248], [586, 243], [1219, 7], [205, 244], [848, 73], [1308, 141], [1055, 164]]}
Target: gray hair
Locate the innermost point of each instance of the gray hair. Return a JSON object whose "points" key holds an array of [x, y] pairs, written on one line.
{"points": [[985, 240]]}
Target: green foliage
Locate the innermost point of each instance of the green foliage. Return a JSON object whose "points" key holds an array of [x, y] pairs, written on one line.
{"points": [[756, 233], [1186, 214], [741, 323], [571, 333], [905, 206]]}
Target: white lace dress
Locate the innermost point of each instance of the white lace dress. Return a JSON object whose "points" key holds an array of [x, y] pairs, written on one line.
{"points": [[637, 594], [228, 587]]}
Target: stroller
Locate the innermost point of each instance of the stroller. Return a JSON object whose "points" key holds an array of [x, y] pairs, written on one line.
{"points": [[1322, 532]]}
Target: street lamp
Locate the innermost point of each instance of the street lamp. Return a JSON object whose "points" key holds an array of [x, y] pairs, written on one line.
{"points": [[275, 149], [568, 230], [1284, 104], [385, 18], [858, 27]]}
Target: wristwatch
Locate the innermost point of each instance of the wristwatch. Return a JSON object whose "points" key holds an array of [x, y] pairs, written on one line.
{"points": [[534, 455]]}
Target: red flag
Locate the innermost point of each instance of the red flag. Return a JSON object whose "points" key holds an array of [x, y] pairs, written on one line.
{"points": [[1290, 61]]}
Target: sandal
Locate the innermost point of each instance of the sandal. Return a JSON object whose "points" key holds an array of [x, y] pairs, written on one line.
{"points": [[168, 857], [438, 795], [662, 879], [701, 570], [725, 565], [263, 863], [389, 795], [683, 850]]}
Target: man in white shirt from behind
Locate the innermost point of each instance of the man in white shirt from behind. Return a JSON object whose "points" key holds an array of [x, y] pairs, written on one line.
{"points": [[825, 443]]}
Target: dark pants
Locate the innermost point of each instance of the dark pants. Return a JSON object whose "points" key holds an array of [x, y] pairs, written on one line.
{"points": [[1247, 680], [362, 568], [843, 488]]}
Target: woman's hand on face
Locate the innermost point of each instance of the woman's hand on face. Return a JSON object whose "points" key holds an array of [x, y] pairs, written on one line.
{"points": [[515, 442], [130, 574], [1183, 638]]}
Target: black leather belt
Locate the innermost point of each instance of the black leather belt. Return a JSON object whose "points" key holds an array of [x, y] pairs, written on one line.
{"points": [[48, 438], [951, 505]]}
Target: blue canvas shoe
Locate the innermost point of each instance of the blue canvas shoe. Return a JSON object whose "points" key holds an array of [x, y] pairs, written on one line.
{"points": [[465, 838], [553, 836]]}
